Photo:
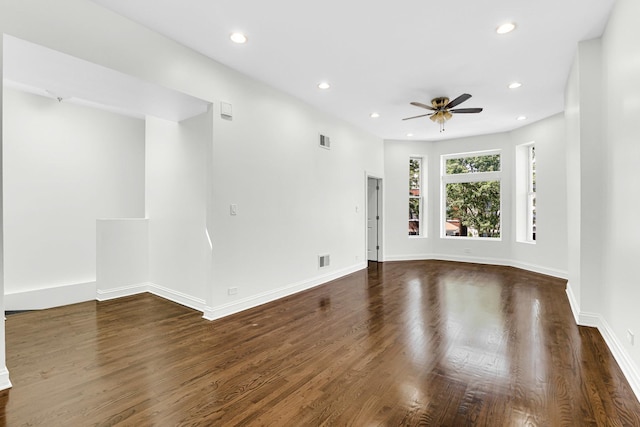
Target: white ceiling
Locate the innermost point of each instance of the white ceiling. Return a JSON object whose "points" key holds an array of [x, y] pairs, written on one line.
{"points": [[381, 55], [33, 68], [378, 57]]}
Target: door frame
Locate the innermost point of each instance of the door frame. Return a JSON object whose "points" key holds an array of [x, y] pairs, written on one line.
{"points": [[380, 181]]}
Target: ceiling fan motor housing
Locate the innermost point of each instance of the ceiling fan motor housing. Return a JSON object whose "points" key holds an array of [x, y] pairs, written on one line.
{"points": [[439, 103]]}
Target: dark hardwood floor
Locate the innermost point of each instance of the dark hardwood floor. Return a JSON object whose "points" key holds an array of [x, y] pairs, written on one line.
{"points": [[402, 344]]}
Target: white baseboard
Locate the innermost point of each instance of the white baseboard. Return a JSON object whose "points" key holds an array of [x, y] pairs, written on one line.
{"points": [[595, 320], [412, 257], [554, 272], [161, 291], [213, 313], [592, 320], [627, 366], [5, 383], [38, 299], [573, 302], [123, 291], [481, 260], [177, 297]]}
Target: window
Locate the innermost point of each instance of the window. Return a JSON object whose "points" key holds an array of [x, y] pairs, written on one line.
{"points": [[471, 193], [415, 196], [531, 194], [526, 193]]}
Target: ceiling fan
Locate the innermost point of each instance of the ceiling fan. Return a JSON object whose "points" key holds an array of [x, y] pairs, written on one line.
{"points": [[442, 109]]}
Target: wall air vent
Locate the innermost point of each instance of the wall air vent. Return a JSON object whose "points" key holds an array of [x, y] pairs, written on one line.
{"points": [[323, 261], [325, 142]]}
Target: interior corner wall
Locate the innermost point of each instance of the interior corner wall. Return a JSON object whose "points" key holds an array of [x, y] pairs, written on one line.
{"points": [[4, 373], [64, 167], [587, 175], [572, 132], [176, 207], [621, 235]]}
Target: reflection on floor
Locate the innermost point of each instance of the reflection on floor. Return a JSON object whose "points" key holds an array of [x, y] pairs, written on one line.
{"points": [[403, 343]]}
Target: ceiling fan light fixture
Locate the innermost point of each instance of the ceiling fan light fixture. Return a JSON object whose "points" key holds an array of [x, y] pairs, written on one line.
{"points": [[515, 85], [506, 28], [238, 37]]}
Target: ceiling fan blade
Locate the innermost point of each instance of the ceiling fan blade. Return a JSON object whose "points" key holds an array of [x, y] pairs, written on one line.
{"points": [[415, 117], [421, 105], [466, 110], [459, 100]]}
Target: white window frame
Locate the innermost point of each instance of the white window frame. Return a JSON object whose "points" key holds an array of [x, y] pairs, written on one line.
{"points": [[420, 198], [525, 193], [531, 192], [463, 178]]}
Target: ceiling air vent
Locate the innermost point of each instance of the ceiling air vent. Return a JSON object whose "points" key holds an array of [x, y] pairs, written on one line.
{"points": [[323, 261], [325, 142]]}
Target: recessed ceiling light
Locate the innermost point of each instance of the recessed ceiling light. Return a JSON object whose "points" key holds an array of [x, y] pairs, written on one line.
{"points": [[409, 134], [506, 28], [522, 118], [238, 38], [323, 85], [515, 85], [374, 115]]}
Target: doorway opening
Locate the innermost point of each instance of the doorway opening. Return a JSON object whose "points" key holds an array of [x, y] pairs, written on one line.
{"points": [[374, 219]]}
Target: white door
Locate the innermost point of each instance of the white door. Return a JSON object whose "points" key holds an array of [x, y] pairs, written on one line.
{"points": [[373, 219]]}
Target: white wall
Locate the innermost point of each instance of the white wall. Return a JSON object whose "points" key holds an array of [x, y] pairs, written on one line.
{"points": [[603, 106], [294, 199], [548, 255], [397, 244], [64, 167], [572, 130], [122, 257], [176, 206], [550, 250], [4, 373], [479, 250], [621, 245]]}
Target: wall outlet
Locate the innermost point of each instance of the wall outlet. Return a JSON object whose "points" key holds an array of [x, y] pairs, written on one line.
{"points": [[232, 291], [233, 209], [630, 337]]}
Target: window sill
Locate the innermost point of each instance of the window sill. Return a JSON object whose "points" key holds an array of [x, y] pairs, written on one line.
{"points": [[526, 242], [477, 239]]}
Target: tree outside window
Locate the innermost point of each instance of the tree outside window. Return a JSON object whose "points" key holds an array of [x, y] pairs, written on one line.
{"points": [[472, 196], [415, 196]]}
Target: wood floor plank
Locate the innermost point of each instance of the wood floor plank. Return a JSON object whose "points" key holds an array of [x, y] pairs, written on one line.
{"points": [[404, 343]]}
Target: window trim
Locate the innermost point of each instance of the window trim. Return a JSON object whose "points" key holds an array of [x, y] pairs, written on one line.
{"points": [[531, 192], [523, 194], [421, 199], [467, 177]]}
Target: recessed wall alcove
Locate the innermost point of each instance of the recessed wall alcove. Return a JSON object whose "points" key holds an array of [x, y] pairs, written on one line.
{"points": [[104, 183]]}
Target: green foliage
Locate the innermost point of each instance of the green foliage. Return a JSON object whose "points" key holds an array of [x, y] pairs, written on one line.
{"points": [[414, 176], [475, 204], [473, 164]]}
